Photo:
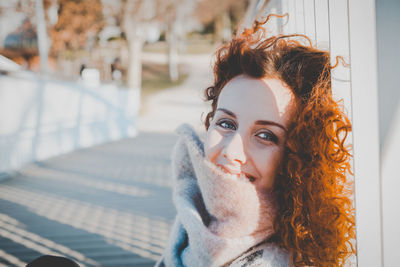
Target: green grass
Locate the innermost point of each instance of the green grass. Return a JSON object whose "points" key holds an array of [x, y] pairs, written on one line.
{"points": [[155, 78], [195, 44], [157, 47]]}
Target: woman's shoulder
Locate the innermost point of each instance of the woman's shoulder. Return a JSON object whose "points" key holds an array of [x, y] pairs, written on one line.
{"points": [[264, 254]]}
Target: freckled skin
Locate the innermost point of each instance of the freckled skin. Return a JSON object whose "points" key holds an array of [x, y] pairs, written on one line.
{"points": [[248, 131]]}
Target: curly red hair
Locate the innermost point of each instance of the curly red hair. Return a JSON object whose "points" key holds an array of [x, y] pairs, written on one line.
{"points": [[315, 222]]}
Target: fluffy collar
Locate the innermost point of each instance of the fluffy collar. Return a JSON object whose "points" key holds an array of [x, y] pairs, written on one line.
{"points": [[219, 216]]}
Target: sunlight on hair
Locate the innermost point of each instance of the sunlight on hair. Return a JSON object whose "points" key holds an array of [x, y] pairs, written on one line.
{"points": [[139, 234]]}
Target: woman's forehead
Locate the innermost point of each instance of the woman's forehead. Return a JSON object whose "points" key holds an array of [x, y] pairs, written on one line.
{"points": [[267, 98]]}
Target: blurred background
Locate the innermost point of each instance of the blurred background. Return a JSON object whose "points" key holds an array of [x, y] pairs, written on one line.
{"points": [[91, 92], [109, 37]]}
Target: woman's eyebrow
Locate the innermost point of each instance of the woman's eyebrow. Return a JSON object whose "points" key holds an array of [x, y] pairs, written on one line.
{"points": [[259, 122], [230, 113], [263, 122]]}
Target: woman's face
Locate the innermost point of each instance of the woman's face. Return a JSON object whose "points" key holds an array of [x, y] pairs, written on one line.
{"points": [[248, 131]]}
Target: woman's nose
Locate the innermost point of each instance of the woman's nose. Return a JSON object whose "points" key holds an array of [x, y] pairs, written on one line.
{"points": [[234, 149]]}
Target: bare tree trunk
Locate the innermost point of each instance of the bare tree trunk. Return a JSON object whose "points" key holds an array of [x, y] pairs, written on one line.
{"points": [[135, 46], [42, 37], [227, 27], [173, 54], [135, 40], [135, 15], [222, 27], [218, 27]]}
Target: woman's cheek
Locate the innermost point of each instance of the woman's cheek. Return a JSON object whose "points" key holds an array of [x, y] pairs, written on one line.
{"points": [[269, 164], [212, 144]]}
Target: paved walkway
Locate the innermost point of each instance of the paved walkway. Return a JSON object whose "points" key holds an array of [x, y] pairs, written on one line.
{"points": [[108, 205]]}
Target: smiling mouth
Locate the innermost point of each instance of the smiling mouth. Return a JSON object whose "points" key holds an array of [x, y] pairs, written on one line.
{"points": [[230, 171], [237, 173]]}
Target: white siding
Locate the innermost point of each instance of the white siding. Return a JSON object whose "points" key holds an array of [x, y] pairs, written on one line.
{"points": [[340, 27], [339, 46], [365, 123], [309, 19], [388, 39], [322, 24]]}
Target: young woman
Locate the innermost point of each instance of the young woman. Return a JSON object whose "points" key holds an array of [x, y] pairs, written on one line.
{"points": [[268, 187]]}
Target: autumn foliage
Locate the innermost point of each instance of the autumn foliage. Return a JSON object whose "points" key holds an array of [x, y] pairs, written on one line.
{"points": [[78, 20]]}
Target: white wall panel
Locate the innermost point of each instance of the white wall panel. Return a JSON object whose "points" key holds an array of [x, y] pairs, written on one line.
{"points": [[326, 22], [299, 15], [364, 87], [338, 30], [309, 19], [339, 46], [284, 8], [291, 26], [275, 24], [322, 24], [347, 28], [388, 40]]}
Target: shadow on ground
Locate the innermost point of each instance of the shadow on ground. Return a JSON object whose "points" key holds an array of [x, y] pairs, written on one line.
{"points": [[108, 205]]}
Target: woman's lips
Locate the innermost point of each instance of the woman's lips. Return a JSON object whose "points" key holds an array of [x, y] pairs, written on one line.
{"points": [[230, 170], [236, 172]]}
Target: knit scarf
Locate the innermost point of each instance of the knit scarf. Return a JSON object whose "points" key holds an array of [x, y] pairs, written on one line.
{"points": [[219, 216]]}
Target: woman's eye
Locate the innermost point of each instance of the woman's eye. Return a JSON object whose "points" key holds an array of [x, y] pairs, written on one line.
{"points": [[227, 125], [267, 136]]}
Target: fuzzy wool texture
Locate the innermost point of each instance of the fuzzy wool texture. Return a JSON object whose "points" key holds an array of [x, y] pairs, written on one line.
{"points": [[219, 216]]}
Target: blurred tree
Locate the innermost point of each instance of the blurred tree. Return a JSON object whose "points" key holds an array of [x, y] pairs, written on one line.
{"points": [[26, 6], [70, 24], [171, 20], [24, 37], [42, 36], [135, 17], [178, 13], [78, 23], [21, 44], [225, 15], [135, 14]]}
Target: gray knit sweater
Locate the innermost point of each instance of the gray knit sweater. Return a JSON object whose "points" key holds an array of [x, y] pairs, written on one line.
{"points": [[220, 219]]}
